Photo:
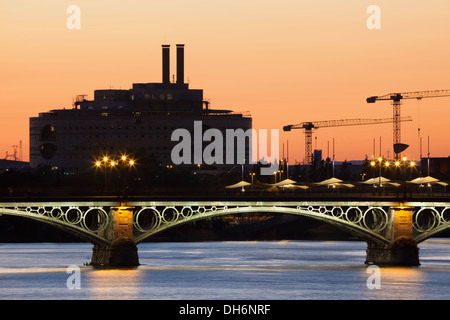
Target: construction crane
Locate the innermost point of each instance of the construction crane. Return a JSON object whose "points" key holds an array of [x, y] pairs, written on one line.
{"points": [[396, 103], [15, 156], [309, 126]]}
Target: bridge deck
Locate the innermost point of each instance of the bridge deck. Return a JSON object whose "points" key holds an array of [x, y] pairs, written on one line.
{"points": [[114, 200]]}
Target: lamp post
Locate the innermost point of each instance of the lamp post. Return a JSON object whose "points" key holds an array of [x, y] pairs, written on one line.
{"points": [[379, 177], [373, 164], [100, 164], [380, 163], [404, 164], [106, 162], [252, 174], [127, 161], [412, 164]]}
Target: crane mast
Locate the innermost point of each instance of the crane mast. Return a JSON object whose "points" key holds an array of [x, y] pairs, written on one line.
{"points": [[396, 106], [310, 125]]}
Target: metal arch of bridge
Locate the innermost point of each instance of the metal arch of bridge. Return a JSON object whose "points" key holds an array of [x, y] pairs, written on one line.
{"points": [[430, 220], [370, 221], [86, 220], [367, 222]]}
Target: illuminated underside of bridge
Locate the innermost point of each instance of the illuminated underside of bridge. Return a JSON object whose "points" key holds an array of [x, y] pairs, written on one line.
{"points": [[392, 229]]}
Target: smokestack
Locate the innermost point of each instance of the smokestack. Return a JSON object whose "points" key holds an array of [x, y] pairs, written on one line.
{"points": [[180, 63], [166, 63]]}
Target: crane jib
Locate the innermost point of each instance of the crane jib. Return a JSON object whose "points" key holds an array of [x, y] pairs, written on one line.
{"points": [[410, 95]]}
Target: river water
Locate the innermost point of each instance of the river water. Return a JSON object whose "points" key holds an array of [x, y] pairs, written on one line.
{"points": [[260, 270]]}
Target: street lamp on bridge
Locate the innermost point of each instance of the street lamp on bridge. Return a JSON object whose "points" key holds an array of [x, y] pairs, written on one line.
{"points": [[112, 163], [103, 163], [404, 164], [386, 164]]}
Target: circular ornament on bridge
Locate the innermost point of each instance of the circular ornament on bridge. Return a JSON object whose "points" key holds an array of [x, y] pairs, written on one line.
{"points": [[337, 212], [445, 215], [56, 213], [147, 219], [201, 210], [41, 210], [94, 219], [322, 209], [425, 219], [186, 212], [375, 219], [353, 214], [73, 215], [169, 214]]}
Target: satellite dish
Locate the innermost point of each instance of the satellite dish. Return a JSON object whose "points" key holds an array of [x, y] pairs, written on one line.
{"points": [[400, 147]]}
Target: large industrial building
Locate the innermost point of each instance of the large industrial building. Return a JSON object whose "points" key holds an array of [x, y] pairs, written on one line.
{"points": [[125, 121]]}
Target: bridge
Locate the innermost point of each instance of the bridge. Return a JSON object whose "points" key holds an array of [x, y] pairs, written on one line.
{"points": [[392, 228]]}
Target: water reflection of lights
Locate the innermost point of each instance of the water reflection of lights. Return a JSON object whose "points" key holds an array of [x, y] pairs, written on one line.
{"points": [[114, 283], [399, 283]]}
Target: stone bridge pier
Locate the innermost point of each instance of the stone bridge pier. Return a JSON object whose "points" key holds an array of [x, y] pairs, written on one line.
{"points": [[402, 250], [122, 250]]}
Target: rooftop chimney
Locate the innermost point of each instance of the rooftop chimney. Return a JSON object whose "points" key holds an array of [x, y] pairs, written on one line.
{"points": [[180, 63], [166, 63]]}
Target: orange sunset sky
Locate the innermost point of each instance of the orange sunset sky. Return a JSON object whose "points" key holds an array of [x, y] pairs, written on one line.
{"points": [[285, 62]]}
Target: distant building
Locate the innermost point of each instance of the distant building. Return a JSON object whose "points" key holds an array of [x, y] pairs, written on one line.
{"points": [[437, 166], [6, 165], [317, 157], [124, 121]]}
